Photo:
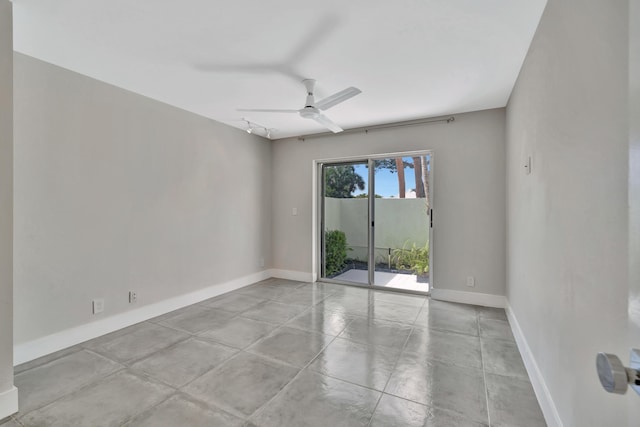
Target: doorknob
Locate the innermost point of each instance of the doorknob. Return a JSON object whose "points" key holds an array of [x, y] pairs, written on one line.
{"points": [[614, 376]]}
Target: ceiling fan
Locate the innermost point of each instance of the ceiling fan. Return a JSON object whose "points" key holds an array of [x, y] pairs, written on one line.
{"points": [[311, 109]]}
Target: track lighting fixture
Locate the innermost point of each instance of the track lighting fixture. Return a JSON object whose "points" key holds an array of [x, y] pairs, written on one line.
{"points": [[255, 127]]}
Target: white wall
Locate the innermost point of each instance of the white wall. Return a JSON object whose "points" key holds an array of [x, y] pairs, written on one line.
{"points": [[567, 269], [469, 194], [8, 397], [116, 192]]}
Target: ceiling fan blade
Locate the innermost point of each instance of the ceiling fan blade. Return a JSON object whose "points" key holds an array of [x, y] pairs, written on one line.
{"points": [[337, 98], [265, 110], [326, 122], [251, 68], [311, 41]]}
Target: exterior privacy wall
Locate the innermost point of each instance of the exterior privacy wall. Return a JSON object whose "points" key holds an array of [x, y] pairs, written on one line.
{"points": [[400, 223]]}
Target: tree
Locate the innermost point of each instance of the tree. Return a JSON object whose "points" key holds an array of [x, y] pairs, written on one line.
{"points": [[400, 171], [420, 165], [417, 173], [426, 166], [341, 181]]}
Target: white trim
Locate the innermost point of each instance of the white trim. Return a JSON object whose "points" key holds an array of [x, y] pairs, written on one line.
{"points": [[39, 347], [301, 276], [316, 240], [549, 410], [8, 402], [475, 298]]}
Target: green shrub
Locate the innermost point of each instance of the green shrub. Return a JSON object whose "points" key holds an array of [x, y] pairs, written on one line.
{"points": [[413, 258], [335, 249]]}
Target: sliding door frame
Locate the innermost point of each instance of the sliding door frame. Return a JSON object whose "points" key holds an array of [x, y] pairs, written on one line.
{"points": [[319, 220]]}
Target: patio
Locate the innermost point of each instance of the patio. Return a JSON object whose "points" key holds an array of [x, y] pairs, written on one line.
{"points": [[386, 279]]}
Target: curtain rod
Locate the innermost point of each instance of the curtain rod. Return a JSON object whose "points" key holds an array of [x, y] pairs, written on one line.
{"points": [[366, 129]]}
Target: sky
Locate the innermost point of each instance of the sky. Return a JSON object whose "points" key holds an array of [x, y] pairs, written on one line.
{"points": [[386, 181]]}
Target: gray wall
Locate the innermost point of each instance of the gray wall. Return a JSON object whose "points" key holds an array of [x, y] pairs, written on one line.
{"points": [[469, 194], [115, 192], [6, 199], [567, 268]]}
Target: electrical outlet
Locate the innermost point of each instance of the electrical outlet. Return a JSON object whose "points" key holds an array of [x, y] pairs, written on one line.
{"points": [[133, 297], [471, 281], [98, 305]]}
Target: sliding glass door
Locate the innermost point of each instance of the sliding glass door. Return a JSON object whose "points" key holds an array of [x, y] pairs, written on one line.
{"points": [[345, 231], [402, 222], [376, 221]]}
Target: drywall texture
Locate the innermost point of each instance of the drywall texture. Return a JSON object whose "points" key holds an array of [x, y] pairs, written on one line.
{"points": [[116, 192], [567, 267], [6, 199], [468, 191]]}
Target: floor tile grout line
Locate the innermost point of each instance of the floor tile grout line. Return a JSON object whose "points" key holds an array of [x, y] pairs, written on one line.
{"points": [[131, 362], [375, 408], [413, 326], [241, 350], [443, 362], [132, 417], [261, 408], [19, 369], [451, 411], [59, 398], [16, 420], [60, 357], [121, 367], [145, 374], [395, 365], [484, 374], [510, 377], [222, 407], [270, 334]]}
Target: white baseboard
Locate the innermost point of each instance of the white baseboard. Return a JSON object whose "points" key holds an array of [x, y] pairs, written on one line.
{"points": [[31, 350], [549, 410], [8, 402], [300, 276], [475, 298]]}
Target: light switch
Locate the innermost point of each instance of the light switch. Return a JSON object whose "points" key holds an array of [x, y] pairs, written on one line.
{"points": [[294, 211], [527, 165]]}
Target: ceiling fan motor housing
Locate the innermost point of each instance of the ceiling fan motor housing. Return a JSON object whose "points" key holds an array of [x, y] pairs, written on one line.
{"points": [[309, 85], [309, 112]]}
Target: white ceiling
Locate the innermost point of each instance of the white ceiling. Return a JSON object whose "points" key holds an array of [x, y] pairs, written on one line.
{"points": [[411, 58]]}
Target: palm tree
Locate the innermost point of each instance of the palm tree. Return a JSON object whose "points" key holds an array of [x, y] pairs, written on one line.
{"points": [[400, 170]]}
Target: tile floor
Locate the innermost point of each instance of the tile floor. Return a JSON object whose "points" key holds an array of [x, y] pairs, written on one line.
{"points": [[283, 353]]}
